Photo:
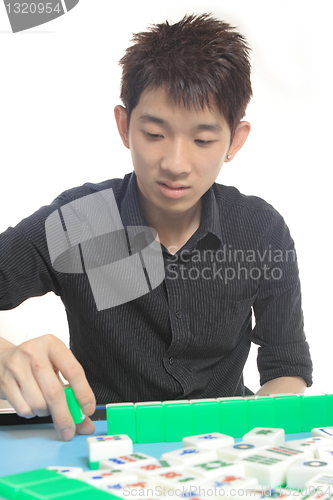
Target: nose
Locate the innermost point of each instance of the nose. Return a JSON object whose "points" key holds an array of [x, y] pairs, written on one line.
{"points": [[176, 158]]}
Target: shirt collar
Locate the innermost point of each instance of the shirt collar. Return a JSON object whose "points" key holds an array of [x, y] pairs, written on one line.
{"points": [[130, 211], [210, 216], [132, 215]]}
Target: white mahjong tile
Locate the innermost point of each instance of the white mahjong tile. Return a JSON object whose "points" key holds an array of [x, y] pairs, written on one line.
{"points": [[323, 480], [70, 472], [211, 441], [96, 477], [268, 469], [116, 489], [221, 486], [141, 489], [265, 491], [267, 436], [127, 461], [326, 432], [324, 452], [301, 471], [157, 467], [181, 483], [134, 490], [313, 494], [193, 496], [190, 455], [101, 447], [238, 450], [288, 452], [216, 468], [309, 444]]}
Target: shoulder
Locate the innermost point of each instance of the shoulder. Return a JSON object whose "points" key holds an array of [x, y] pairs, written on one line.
{"points": [[235, 205], [34, 225], [118, 186], [232, 197], [251, 215]]}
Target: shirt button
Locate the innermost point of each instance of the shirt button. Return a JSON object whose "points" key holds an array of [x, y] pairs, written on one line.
{"points": [[178, 314], [170, 361]]}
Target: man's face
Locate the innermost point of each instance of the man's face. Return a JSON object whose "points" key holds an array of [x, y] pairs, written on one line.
{"points": [[177, 153]]}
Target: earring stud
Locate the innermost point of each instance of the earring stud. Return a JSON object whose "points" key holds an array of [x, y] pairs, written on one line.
{"points": [[228, 157]]}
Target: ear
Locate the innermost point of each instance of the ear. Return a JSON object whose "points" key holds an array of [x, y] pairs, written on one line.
{"points": [[120, 115], [241, 134]]}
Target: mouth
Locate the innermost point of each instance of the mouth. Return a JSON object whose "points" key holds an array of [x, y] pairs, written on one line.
{"points": [[173, 190], [170, 185]]}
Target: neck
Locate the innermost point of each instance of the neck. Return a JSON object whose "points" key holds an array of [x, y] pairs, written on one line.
{"points": [[174, 229]]}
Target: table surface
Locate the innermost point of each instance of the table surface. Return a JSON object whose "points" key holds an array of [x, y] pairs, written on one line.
{"points": [[27, 447]]}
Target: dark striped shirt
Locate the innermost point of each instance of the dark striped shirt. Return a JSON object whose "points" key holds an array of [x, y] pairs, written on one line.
{"points": [[190, 336]]}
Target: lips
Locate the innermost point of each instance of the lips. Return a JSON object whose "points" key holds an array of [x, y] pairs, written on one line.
{"points": [[173, 186], [173, 190]]}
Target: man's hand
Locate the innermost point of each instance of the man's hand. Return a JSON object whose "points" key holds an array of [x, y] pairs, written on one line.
{"points": [[29, 380], [283, 385]]}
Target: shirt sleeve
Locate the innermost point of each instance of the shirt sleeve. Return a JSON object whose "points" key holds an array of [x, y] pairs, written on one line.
{"points": [[279, 329], [25, 267]]}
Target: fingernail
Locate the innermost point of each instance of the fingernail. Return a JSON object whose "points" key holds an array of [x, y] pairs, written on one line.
{"points": [[67, 434]]}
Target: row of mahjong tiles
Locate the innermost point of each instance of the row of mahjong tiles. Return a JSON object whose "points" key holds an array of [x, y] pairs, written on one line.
{"points": [[207, 465]]}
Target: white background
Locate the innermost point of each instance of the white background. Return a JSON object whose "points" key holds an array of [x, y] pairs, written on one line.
{"points": [[59, 85]]}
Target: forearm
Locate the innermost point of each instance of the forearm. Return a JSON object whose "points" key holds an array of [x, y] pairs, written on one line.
{"points": [[283, 385]]}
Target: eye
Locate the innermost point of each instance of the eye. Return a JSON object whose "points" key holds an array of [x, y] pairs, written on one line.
{"points": [[203, 143], [154, 136]]}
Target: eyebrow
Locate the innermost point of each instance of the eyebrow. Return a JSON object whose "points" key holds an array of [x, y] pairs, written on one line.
{"points": [[150, 118], [214, 127]]}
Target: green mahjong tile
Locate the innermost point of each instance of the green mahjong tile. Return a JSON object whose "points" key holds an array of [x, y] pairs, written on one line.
{"points": [[89, 495], [329, 398], [314, 412], [10, 485], [206, 416], [149, 422], [178, 420], [261, 412], [73, 405], [121, 419], [54, 490], [288, 413], [234, 419], [93, 465]]}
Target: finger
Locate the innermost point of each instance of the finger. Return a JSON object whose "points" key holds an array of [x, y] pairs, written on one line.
{"points": [[85, 427], [64, 360], [13, 394], [21, 388], [33, 395], [54, 395], [44, 365]]}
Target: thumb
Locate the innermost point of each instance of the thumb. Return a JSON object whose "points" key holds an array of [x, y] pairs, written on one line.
{"points": [[85, 427]]}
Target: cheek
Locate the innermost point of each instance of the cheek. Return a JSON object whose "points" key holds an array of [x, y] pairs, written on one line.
{"points": [[137, 151], [143, 160], [210, 168], [144, 156]]}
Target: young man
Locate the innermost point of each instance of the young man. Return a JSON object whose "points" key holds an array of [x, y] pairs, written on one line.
{"points": [[185, 89]]}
